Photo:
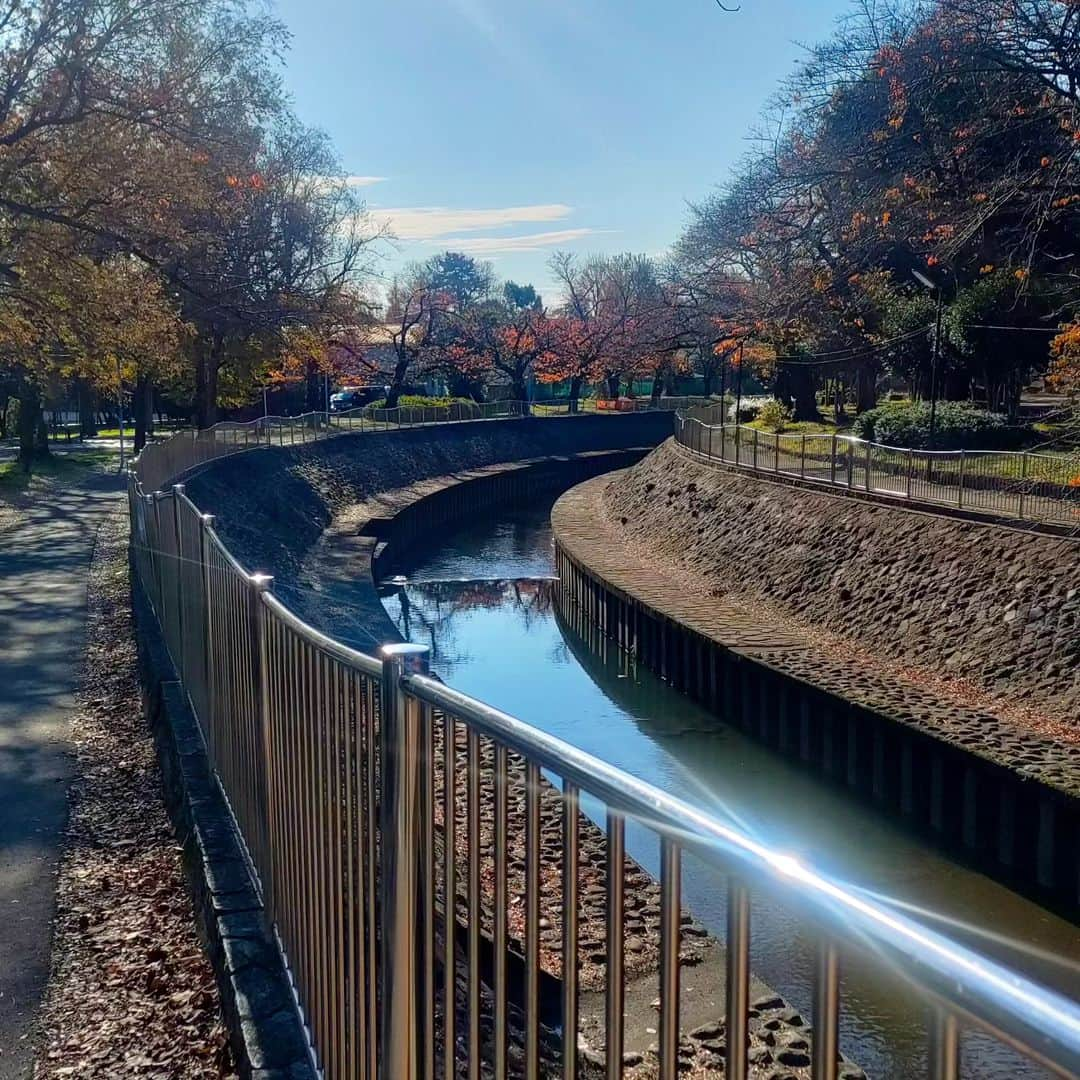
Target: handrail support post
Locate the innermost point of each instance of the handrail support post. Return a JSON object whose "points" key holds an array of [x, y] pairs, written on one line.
{"points": [[401, 976]]}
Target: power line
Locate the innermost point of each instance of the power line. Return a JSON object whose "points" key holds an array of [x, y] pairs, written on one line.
{"points": [[854, 353], [1024, 329]]}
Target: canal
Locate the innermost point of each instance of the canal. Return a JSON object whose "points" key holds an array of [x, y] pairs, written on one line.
{"points": [[485, 600]]}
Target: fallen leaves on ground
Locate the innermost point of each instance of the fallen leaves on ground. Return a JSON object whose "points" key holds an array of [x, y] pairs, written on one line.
{"points": [[131, 993]]}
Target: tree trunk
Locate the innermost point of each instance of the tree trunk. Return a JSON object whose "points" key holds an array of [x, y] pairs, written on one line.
{"points": [[657, 389], [5, 405], [143, 407], [401, 369], [207, 363], [575, 393], [315, 398], [518, 389], [866, 388], [795, 387], [613, 385], [87, 426], [29, 423]]}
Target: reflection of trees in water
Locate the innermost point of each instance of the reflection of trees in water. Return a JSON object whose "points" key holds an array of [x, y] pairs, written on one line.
{"points": [[427, 610]]}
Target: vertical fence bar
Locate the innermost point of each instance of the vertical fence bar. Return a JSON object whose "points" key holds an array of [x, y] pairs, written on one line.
{"points": [[670, 918], [738, 980], [944, 1047], [472, 781], [802, 458], [178, 547], [532, 920], [826, 1013], [427, 818], [776, 452], [1023, 482], [501, 897], [449, 895], [615, 988], [960, 480], [570, 930], [832, 461], [755, 449], [400, 985], [910, 471], [868, 465]]}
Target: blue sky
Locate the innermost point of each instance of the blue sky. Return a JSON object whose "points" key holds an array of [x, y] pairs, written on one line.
{"points": [[511, 129]]}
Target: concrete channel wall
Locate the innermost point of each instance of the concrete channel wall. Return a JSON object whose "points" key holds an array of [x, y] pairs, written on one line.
{"points": [[972, 783]]}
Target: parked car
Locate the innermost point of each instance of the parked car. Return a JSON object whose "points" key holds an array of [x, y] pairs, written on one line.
{"points": [[353, 397]]}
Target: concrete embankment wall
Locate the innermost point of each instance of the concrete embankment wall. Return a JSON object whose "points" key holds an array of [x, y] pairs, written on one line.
{"points": [[995, 606], [704, 559], [273, 505]]}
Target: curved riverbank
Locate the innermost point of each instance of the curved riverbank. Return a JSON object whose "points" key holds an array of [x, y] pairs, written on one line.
{"points": [[979, 784]]}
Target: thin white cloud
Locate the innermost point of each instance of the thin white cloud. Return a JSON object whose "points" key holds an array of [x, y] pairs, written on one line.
{"points": [[502, 245], [364, 181], [430, 222]]}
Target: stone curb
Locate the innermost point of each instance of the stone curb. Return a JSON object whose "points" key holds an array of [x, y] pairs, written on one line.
{"points": [[265, 1030]]}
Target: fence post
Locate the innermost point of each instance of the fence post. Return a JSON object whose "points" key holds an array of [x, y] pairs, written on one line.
{"points": [[209, 728], [178, 490], [910, 470], [260, 671], [401, 980], [832, 461], [960, 479], [850, 465], [755, 449], [723, 436], [802, 458], [869, 463], [1023, 482], [738, 439], [776, 453]]}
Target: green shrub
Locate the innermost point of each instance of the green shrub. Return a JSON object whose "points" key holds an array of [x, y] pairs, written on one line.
{"points": [[959, 426], [407, 401], [773, 416]]}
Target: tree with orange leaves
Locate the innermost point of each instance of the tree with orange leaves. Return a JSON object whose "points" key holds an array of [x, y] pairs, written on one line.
{"points": [[940, 139]]}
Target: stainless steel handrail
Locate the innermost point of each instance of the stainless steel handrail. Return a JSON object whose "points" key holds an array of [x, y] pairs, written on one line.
{"points": [[1034, 1020], [328, 758]]}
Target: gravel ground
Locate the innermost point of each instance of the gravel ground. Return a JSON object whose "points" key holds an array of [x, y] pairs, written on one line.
{"points": [[131, 992]]}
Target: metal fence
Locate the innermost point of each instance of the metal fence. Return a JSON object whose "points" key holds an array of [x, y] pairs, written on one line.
{"points": [[393, 824], [162, 461], [1028, 486]]}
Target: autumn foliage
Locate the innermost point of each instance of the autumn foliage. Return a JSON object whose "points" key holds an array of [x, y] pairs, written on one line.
{"points": [[936, 139]]}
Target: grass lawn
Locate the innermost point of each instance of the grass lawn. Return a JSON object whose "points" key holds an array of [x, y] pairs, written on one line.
{"points": [[69, 467]]}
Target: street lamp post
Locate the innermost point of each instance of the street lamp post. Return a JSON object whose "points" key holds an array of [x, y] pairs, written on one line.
{"points": [[120, 407]]}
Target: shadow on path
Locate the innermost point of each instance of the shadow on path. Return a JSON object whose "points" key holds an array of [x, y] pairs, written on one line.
{"points": [[43, 566]]}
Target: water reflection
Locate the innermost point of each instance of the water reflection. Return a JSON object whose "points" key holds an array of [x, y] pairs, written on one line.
{"points": [[504, 640]]}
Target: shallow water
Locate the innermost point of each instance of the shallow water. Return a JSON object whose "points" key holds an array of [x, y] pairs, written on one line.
{"points": [[485, 600]]}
